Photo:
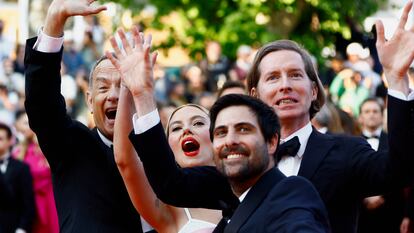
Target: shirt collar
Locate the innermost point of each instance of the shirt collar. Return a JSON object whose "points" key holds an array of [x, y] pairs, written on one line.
{"points": [[105, 139], [303, 134], [377, 132], [241, 198]]}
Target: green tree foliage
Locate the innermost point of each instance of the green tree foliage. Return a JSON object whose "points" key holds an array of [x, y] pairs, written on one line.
{"points": [[313, 23]]}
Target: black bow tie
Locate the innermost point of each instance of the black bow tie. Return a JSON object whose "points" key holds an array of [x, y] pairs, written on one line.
{"points": [[288, 148]]}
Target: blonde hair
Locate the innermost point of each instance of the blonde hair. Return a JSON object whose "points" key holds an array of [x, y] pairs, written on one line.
{"points": [[203, 109]]}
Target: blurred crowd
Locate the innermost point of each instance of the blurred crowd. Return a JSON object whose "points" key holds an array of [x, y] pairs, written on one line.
{"points": [[356, 102]]}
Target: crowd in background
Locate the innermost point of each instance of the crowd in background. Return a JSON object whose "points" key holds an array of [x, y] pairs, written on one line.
{"points": [[349, 80]]}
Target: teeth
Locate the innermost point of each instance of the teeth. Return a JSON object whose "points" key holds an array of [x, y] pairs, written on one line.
{"points": [[234, 156], [286, 101]]}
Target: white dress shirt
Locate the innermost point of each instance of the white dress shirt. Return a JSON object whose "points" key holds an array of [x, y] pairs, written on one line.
{"points": [[289, 165], [373, 138], [3, 166]]}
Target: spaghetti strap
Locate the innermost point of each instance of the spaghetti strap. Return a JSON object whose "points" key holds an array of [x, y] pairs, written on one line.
{"points": [[187, 212]]}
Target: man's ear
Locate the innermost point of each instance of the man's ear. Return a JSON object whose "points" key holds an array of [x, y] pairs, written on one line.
{"points": [[272, 145], [88, 99], [315, 91]]}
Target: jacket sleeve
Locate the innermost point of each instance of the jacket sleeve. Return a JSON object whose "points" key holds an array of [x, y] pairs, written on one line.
{"points": [[45, 106], [199, 187]]}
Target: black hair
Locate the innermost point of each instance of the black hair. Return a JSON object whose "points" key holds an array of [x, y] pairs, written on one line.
{"points": [[5, 127], [378, 101], [230, 84], [266, 116]]}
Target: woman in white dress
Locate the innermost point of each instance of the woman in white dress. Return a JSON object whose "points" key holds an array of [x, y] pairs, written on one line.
{"points": [[188, 136]]}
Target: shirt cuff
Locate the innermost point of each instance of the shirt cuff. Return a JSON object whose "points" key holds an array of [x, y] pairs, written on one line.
{"points": [[400, 95], [47, 44], [20, 230], [146, 122]]}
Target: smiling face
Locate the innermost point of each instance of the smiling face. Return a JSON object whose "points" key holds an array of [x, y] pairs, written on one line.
{"points": [[284, 85], [102, 97], [240, 150], [189, 137]]}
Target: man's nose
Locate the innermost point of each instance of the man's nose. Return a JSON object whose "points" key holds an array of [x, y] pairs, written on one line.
{"points": [[231, 138], [285, 83], [113, 94]]}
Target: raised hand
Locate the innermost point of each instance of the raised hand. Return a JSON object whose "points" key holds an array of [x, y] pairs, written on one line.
{"points": [[60, 10], [397, 54], [135, 63]]}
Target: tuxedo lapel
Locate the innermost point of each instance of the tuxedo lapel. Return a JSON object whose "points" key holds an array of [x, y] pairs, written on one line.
{"points": [[383, 142], [253, 199], [10, 169], [317, 148]]}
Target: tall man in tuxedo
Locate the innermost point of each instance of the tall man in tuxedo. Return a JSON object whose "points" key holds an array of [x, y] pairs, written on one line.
{"points": [[343, 169], [17, 208], [89, 191]]}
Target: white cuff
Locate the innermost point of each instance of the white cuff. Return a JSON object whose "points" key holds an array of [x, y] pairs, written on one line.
{"points": [[400, 95], [146, 122], [20, 230], [47, 44]]}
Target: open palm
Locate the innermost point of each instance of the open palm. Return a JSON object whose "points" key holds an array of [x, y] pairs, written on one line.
{"points": [[397, 54], [135, 63], [69, 8]]}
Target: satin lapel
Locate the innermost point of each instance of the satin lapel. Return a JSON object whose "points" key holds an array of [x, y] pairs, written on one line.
{"points": [[317, 148], [383, 142], [11, 166], [253, 199]]}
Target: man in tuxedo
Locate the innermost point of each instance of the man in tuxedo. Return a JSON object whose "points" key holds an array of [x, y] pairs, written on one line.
{"points": [[245, 135], [17, 208], [371, 120], [89, 191], [382, 213]]}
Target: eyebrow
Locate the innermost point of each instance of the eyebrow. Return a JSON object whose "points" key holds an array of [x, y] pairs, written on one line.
{"points": [[236, 125], [101, 79], [191, 119]]}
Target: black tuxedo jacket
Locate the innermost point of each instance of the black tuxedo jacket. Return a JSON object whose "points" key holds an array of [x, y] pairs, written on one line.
{"points": [[17, 208], [89, 191], [279, 204]]}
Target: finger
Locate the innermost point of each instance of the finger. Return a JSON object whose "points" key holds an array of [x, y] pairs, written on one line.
{"points": [[141, 36], [404, 16], [136, 37], [97, 9], [147, 56], [114, 45], [154, 58], [113, 60], [380, 33], [125, 43], [94, 10], [148, 41]]}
